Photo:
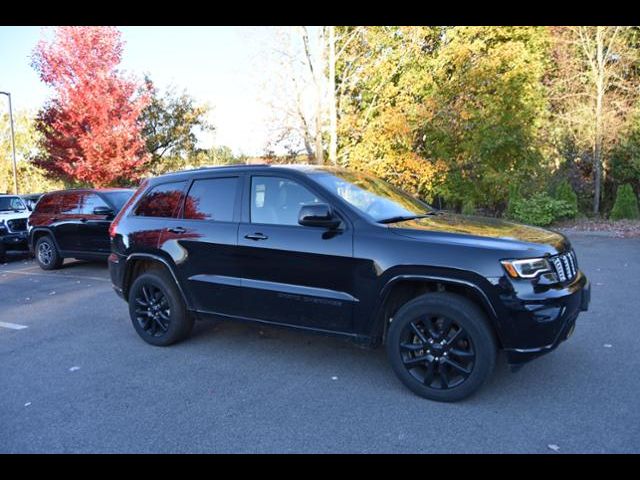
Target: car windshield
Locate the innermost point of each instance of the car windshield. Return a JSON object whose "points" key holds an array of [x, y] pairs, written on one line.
{"points": [[11, 204], [118, 197], [372, 196]]}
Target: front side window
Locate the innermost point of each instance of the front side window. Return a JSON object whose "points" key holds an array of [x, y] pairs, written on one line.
{"points": [[211, 199], [11, 203], [277, 201], [372, 196], [118, 197], [88, 202], [161, 201]]}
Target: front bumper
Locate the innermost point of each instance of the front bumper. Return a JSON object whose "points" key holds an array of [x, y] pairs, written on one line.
{"points": [[540, 321], [17, 240]]}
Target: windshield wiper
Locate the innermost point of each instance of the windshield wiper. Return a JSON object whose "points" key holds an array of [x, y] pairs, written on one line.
{"points": [[402, 218]]}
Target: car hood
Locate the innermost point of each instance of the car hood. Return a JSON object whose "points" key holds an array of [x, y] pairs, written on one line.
{"points": [[11, 215], [467, 228]]}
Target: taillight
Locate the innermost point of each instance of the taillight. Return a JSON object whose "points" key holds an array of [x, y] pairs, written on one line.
{"points": [[114, 224]]}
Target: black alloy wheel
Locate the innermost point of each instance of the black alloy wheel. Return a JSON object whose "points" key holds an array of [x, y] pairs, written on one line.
{"points": [[437, 352], [157, 309], [153, 312], [441, 346]]}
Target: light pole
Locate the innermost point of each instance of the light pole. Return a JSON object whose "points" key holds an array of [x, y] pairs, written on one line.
{"points": [[13, 145]]}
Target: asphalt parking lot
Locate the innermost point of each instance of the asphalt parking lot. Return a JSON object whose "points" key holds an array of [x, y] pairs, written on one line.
{"points": [[78, 379]]}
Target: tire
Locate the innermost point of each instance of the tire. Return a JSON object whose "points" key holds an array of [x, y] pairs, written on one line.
{"points": [[47, 255], [170, 322], [444, 367], [3, 254]]}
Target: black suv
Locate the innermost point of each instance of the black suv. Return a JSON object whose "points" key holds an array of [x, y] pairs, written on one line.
{"points": [[339, 252], [74, 223]]}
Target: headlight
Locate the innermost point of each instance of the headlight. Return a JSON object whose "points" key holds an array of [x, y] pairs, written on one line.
{"points": [[529, 268]]}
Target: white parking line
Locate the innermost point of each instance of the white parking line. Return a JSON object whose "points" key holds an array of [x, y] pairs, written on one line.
{"points": [[12, 326], [55, 275]]}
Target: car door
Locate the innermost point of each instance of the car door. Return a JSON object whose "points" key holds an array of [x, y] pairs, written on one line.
{"points": [[66, 221], [92, 236], [293, 274], [204, 239]]}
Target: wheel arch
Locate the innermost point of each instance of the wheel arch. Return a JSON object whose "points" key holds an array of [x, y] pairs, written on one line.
{"points": [[138, 263], [38, 232], [402, 288]]}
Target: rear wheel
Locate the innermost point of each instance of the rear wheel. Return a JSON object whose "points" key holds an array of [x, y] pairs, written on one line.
{"points": [[3, 253], [157, 310], [441, 346], [47, 254]]}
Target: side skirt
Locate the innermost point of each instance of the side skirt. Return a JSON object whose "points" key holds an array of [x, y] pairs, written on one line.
{"points": [[359, 339]]}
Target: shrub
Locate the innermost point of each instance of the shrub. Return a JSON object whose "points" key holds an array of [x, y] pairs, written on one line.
{"points": [[626, 205], [565, 193], [468, 208], [541, 209]]}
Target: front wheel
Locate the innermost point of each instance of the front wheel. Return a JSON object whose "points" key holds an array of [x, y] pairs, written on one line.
{"points": [[157, 310], [441, 346]]}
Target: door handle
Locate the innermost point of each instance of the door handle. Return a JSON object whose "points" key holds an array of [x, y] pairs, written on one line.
{"points": [[83, 220], [177, 230], [256, 236]]}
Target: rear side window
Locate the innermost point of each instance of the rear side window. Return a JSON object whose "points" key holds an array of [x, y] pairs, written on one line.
{"points": [[47, 204], [211, 199], [70, 203], [161, 201]]}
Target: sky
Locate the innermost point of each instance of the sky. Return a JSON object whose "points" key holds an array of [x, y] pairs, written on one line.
{"points": [[223, 66]]}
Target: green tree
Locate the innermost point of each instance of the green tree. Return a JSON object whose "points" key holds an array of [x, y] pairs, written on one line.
{"points": [[593, 83], [171, 123], [626, 205], [31, 179], [486, 113], [382, 81]]}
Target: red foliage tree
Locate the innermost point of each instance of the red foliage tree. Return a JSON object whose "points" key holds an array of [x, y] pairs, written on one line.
{"points": [[91, 127]]}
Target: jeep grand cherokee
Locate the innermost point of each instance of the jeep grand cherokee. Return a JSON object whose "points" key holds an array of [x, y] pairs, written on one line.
{"points": [[339, 252]]}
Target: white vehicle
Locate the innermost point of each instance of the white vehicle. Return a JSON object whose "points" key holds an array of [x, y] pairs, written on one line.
{"points": [[13, 224]]}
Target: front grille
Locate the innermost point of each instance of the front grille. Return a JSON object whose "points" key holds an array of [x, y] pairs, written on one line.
{"points": [[17, 225], [566, 266]]}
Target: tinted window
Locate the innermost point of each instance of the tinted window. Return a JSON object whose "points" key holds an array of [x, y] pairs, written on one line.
{"points": [[277, 200], [118, 198], [47, 204], [70, 203], [88, 202], [161, 201], [211, 199]]}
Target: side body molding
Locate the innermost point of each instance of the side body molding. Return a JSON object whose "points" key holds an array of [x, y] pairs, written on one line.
{"points": [[276, 287]]}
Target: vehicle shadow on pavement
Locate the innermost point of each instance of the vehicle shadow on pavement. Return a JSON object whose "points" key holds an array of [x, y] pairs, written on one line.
{"points": [[289, 347], [15, 256]]}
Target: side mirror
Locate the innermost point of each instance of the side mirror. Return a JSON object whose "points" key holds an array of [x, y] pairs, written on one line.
{"points": [[103, 211], [318, 215]]}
